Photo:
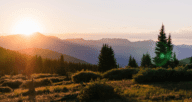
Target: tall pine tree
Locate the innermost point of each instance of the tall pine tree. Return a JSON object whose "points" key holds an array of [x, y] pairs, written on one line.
{"points": [[62, 70], [106, 59], [130, 62], [134, 63], [143, 62], [169, 51], [162, 57]]}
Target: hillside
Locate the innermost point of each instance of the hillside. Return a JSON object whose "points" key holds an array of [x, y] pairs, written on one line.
{"points": [[46, 53]]}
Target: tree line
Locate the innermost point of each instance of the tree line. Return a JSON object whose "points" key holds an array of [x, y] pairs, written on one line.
{"points": [[164, 56], [12, 62]]}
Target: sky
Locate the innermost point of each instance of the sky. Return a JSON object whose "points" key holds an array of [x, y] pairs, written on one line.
{"points": [[135, 20]]}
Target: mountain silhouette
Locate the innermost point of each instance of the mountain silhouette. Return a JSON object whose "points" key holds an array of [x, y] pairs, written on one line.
{"points": [[89, 50]]}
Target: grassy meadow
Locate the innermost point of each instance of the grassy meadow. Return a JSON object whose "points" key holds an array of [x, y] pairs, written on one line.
{"points": [[116, 85]]}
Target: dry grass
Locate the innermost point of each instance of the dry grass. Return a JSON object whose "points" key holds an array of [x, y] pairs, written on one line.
{"points": [[132, 92]]}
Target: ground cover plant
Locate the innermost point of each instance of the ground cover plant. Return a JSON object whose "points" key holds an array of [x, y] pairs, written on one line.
{"points": [[120, 73], [124, 90], [161, 75], [85, 76]]}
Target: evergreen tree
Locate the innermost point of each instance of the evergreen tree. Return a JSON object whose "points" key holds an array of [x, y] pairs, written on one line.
{"points": [[143, 61], [169, 51], [130, 61], [62, 70], [112, 59], [106, 59], [176, 61], [147, 60], [134, 63], [161, 50]]}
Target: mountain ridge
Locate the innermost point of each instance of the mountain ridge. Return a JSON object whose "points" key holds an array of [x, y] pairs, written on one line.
{"points": [[89, 50]]}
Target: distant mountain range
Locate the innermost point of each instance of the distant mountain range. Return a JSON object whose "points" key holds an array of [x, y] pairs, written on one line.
{"points": [[45, 53], [89, 50]]}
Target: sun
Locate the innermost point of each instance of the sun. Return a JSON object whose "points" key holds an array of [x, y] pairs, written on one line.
{"points": [[26, 26]]}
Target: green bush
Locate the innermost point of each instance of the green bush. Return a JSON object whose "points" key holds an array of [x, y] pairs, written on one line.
{"points": [[162, 74], [55, 79], [57, 89], [46, 90], [12, 83], [37, 83], [188, 66], [65, 89], [85, 76], [97, 91], [38, 76], [121, 73], [5, 89]]}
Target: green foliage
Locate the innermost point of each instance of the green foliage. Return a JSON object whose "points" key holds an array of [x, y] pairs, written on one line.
{"points": [[97, 91], [119, 74], [57, 89], [146, 61], [107, 60], [5, 89], [55, 79], [162, 75], [188, 66], [12, 63], [132, 62], [190, 60], [39, 76], [12, 83], [65, 89], [37, 83], [46, 90], [163, 50], [85, 76]]}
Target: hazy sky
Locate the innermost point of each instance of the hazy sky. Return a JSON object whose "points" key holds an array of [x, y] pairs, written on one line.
{"points": [[144, 17]]}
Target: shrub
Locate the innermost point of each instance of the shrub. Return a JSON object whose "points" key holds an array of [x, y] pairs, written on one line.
{"points": [[97, 91], [46, 90], [161, 75], [121, 73], [55, 79], [37, 83], [37, 76], [65, 89], [19, 76], [188, 66], [5, 89], [12, 84], [85, 76], [57, 89]]}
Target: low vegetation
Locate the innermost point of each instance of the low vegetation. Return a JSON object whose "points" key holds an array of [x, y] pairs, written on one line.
{"points": [[161, 74], [138, 88], [85, 76], [120, 73]]}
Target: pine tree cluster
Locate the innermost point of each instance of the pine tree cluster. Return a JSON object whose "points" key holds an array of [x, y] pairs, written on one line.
{"points": [[132, 62], [107, 60]]}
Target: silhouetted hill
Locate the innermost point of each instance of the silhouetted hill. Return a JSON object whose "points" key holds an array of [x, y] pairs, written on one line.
{"points": [[46, 53], [38, 40]]}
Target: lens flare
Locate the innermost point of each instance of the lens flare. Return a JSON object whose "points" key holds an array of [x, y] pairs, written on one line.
{"points": [[164, 58]]}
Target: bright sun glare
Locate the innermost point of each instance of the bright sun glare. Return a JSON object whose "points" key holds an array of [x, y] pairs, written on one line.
{"points": [[26, 26]]}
